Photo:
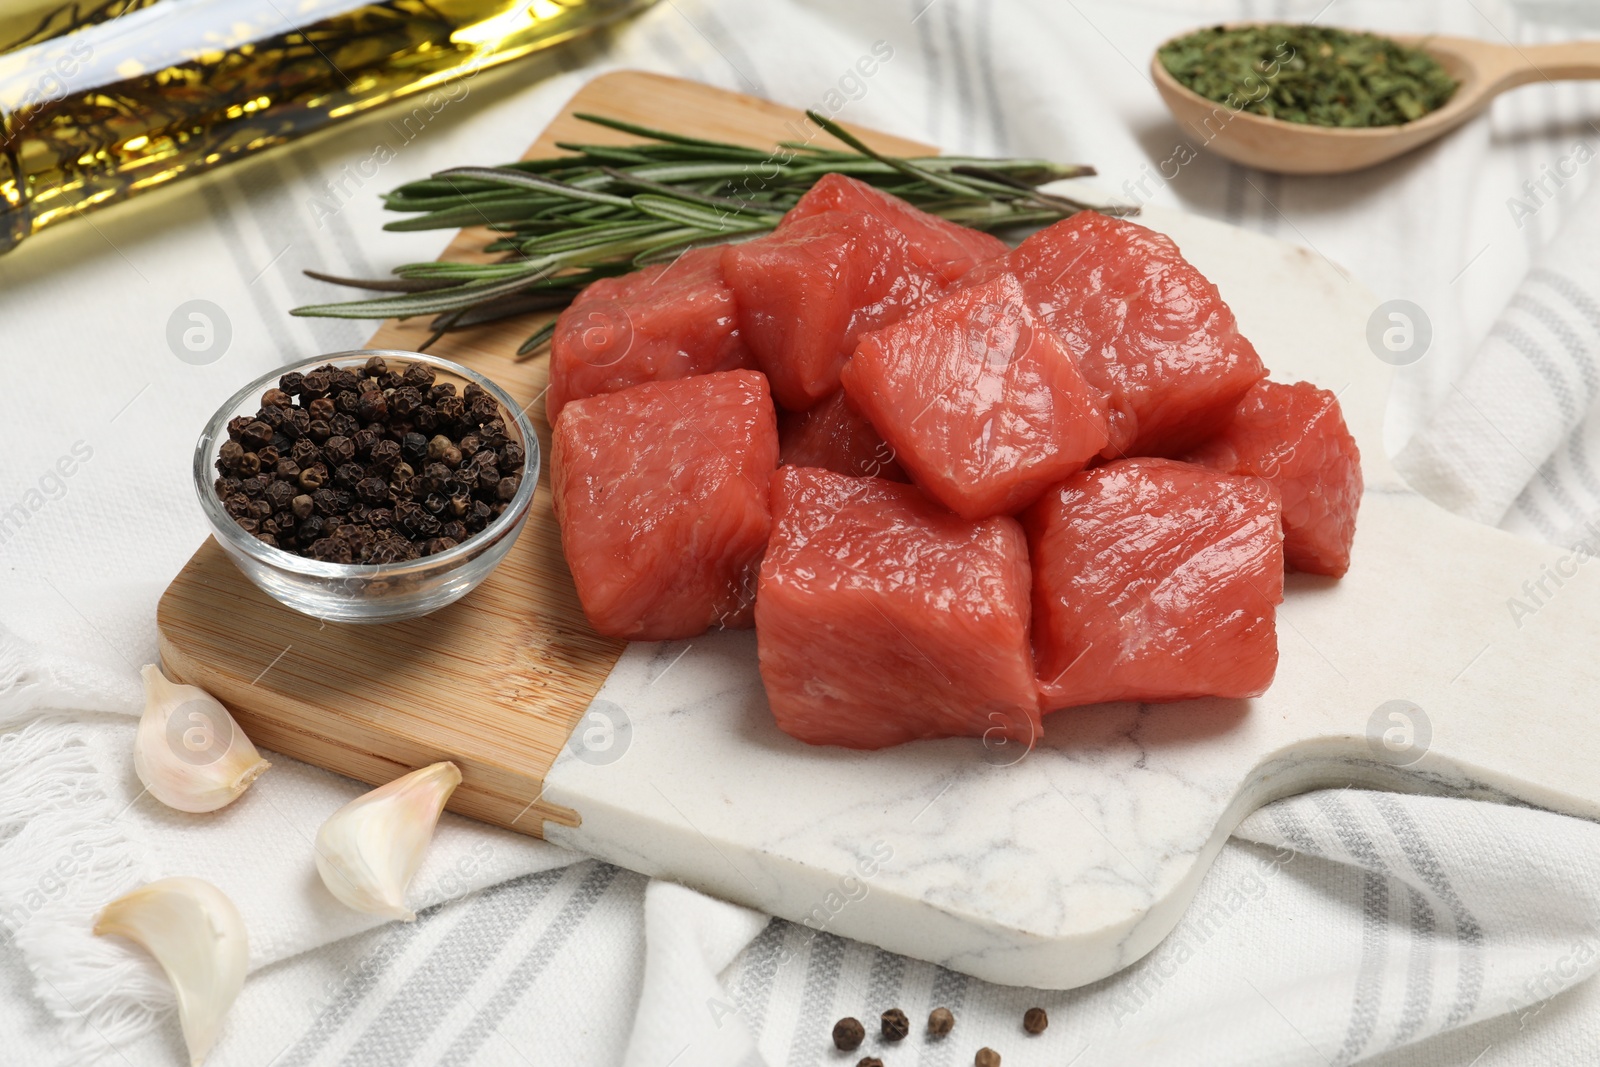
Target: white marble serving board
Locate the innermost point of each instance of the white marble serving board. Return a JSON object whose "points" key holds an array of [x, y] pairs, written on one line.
{"points": [[1059, 868]]}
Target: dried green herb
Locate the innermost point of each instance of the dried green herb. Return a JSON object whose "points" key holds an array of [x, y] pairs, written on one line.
{"points": [[1323, 77]]}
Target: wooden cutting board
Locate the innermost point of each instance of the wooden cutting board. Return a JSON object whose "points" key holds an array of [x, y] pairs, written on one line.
{"points": [[1417, 671]]}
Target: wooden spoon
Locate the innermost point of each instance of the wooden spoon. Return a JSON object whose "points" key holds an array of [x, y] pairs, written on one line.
{"points": [[1483, 71]]}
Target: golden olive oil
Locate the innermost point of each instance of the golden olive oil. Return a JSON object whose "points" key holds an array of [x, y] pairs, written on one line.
{"points": [[103, 99]]}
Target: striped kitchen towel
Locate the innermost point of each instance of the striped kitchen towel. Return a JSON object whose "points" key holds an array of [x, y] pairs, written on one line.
{"points": [[1512, 443]]}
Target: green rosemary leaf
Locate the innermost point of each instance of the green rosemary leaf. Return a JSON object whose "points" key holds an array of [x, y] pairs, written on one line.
{"points": [[936, 180], [540, 337], [410, 304], [646, 132], [506, 176], [742, 207]]}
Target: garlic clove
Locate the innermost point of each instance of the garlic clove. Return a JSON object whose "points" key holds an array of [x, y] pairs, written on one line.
{"points": [[194, 931], [368, 850], [190, 753]]}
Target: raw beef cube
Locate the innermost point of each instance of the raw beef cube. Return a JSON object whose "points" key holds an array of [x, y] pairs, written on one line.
{"points": [[833, 436], [1155, 580], [1294, 436], [661, 493], [1145, 326], [980, 402], [946, 248], [672, 320], [808, 292], [883, 618]]}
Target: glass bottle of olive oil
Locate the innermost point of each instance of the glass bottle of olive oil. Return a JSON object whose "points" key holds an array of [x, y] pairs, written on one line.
{"points": [[104, 99]]}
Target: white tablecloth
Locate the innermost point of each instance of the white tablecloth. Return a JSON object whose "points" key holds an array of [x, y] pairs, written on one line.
{"points": [[1339, 927]]}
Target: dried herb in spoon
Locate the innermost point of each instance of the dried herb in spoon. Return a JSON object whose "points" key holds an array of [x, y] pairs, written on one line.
{"points": [[1309, 74]]}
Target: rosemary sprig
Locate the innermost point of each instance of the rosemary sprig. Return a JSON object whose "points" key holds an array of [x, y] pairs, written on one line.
{"points": [[562, 222]]}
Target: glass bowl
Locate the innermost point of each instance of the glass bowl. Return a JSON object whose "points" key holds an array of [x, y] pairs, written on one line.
{"points": [[366, 592]]}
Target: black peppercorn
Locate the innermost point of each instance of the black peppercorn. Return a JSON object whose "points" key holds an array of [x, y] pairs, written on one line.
{"points": [[384, 455], [507, 489], [276, 398], [321, 409], [451, 408], [512, 457], [419, 375], [292, 382], [940, 1022], [440, 391], [375, 367], [247, 524], [236, 426], [894, 1024], [343, 379], [260, 509], [287, 469], [986, 1057], [1035, 1020], [373, 406], [315, 384], [472, 392], [347, 403], [436, 545], [296, 425], [426, 418], [338, 450], [228, 455], [331, 550], [312, 478], [414, 447], [848, 1033], [319, 430], [278, 494], [237, 505], [869, 1061], [309, 527], [344, 425], [249, 464], [372, 491], [255, 435], [268, 456]]}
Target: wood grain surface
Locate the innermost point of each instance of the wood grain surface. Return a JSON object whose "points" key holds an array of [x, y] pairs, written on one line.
{"points": [[497, 680]]}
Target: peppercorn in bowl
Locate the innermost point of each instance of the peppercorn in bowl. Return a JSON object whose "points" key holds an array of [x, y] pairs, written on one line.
{"points": [[367, 486]]}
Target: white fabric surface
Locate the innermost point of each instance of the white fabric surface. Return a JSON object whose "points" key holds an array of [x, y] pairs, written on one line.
{"points": [[1336, 927]]}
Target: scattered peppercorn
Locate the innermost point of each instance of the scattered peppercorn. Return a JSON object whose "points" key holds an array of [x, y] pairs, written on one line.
{"points": [[869, 1061], [940, 1022], [848, 1034], [986, 1057], [322, 468], [895, 1024], [1035, 1020]]}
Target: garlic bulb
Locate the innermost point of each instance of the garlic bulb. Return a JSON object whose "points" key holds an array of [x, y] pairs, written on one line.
{"points": [[195, 933], [368, 850], [190, 753]]}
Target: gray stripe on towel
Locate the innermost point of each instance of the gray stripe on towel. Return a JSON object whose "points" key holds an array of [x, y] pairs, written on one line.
{"points": [[489, 1016]]}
